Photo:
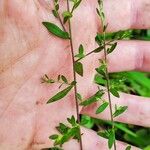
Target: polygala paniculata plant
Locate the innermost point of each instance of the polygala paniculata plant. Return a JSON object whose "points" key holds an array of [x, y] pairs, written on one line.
{"points": [[72, 129]]}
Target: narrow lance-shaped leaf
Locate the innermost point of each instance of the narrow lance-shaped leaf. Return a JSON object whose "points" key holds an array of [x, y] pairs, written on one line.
{"points": [[102, 107], [53, 137], [76, 4], [60, 95], [114, 92], [111, 139], [78, 68], [79, 97], [99, 49], [81, 52], [54, 29], [104, 134], [93, 98], [120, 110], [112, 48], [64, 79]]}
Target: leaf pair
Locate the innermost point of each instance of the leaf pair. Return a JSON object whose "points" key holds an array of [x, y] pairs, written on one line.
{"points": [[119, 111]]}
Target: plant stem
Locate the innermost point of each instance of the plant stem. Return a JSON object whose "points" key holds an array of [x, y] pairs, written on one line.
{"points": [[61, 22], [74, 75], [108, 89], [91, 52]]}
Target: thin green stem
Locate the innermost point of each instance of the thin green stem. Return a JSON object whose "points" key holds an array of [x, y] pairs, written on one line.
{"points": [[108, 90], [74, 75]]}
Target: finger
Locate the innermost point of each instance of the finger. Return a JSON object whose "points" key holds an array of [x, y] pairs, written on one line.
{"points": [[127, 15], [119, 16], [137, 113], [95, 142], [129, 55]]}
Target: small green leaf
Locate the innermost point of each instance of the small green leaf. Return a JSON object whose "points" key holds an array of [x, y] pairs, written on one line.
{"points": [[76, 4], [53, 137], [120, 110], [66, 15], [73, 83], [46, 79], [105, 27], [102, 107], [104, 134], [101, 71], [81, 52], [79, 96], [78, 68], [62, 128], [60, 95], [92, 99], [114, 92], [55, 13], [99, 49], [57, 6], [64, 79], [58, 78], [89, 101], [81, 49], [54, 29], [128, 148], [111, 139], [98, 12], [110, 50], [72, 121]]}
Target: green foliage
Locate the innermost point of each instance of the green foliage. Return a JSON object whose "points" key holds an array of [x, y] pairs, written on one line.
{"points": [[108, 134], [55, 30], [119, 111], [81, 52], [66, 132], [114, 92], [76, 3], [60, 94], [102, 107], [79, 96], [111, 139], [46, 79], [56, 8], [112, 48], [114, 82], [66, 15], [78, 67], [96, 97]]}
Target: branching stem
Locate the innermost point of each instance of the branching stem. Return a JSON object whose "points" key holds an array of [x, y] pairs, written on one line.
{"points": [[108, 89], [74, 74]]}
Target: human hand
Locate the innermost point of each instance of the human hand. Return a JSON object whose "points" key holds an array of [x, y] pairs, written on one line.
{"points": [[28, 51]]}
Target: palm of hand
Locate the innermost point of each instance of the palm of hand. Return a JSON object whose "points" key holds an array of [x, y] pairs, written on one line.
{"points": [[30, 52]]}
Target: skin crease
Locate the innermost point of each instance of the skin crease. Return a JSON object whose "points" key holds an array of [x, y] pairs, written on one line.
{"points": [[28, 51]]}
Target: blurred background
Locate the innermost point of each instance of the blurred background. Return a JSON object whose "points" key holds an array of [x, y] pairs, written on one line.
{"points": [[137, 83]]}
